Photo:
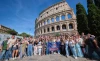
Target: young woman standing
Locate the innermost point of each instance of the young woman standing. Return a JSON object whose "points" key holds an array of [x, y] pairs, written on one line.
{"points": [[16, 46], [30, 47], [67, 44], [58, 44], [43, 46], [47, 46], [40, 47], [23, 47], [62, 46], [72, 47], [35, 46], [78, 48]]}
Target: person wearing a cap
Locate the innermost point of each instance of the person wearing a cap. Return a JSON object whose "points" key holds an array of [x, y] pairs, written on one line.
{"points": [[4, 49], [92, 46]]}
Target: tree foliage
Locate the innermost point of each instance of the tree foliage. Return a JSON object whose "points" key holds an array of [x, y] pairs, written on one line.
{"points": [[97, 3], [89, 2], [12, 32], [82, 20], [93, 19], [57, 34], [24, 34]]}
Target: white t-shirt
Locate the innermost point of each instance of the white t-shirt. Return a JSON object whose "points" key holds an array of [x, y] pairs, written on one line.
{"points": [[71, 43], [80, 41], [40, 45], [11, 42], [67, 42]]}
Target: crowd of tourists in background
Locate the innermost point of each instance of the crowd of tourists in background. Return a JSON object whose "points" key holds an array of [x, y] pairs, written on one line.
{"points": [[68, 45]]}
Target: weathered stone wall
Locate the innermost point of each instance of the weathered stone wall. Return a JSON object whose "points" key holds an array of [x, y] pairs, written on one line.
{"points": [[56, 18]]}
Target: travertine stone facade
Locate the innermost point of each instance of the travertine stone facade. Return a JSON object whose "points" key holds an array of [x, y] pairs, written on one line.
{"points": [[4, 29], [58, 18]]}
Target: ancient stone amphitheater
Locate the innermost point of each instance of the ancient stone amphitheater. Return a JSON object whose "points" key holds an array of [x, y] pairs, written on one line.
{"points": [[56, 19]]}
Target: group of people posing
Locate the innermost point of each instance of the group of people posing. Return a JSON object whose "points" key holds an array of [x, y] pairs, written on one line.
{"points": [[75, 45]]}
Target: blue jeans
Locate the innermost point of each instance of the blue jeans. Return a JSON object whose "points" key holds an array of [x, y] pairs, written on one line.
{"points": [[2, 55], [67, 51], [8, 53], [58, 50], [92, 50], [30, 50], [79, 51], [20, 50], [73, 51], [47, 51]]}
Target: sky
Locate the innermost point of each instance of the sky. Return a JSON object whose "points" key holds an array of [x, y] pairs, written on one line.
{"points": [[20, 15]]}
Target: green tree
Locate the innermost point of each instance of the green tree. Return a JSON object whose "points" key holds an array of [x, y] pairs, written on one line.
{"points": [[93, 18], [82, 20], [97, 3], [89, 2], [24, 34], [12, 32], [57, 34]]}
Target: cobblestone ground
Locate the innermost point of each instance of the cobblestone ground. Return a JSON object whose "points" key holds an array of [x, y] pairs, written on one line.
{"points": [[55, 57]]}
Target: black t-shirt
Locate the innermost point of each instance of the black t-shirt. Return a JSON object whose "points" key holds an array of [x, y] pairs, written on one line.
{"points": [[35, 43], [30, 42], [90, 43]]}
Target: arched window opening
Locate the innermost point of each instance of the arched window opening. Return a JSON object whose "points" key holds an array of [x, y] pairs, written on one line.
{"points": [[48, 21], [44, 22], [53, 29], [57, 18], [48, 30], [41, 31], [63, 26], [58, 27], [70, 26], [52, 20], [44, 30], [63, 17], [69, 16]]}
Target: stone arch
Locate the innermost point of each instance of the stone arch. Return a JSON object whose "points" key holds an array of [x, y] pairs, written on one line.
{"points": [[71, 26], [44, 30], [48, 29], [69, 15], [57, 18], [48, 21], [52, 28], [52, 20], [64, 26], [44, 22], [58, 27], [41, 31], [63, 17]]}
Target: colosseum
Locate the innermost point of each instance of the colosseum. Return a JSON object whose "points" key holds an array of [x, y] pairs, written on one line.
{"points": [[56, 19]]}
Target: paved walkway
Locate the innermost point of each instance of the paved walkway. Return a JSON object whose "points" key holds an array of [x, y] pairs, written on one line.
{"points": [[55, 57]]}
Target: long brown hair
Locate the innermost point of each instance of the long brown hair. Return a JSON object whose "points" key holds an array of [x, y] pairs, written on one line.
{"points": [[62, 40]]}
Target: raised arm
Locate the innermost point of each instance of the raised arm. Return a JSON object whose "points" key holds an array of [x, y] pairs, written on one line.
{"points": [[96, 44]]}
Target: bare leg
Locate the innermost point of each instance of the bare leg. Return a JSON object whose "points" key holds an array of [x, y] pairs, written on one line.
{"points": [[13, 53], [16, 53]]}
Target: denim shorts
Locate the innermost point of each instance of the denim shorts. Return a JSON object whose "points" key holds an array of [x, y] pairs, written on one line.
{"points": [[14, 48]]}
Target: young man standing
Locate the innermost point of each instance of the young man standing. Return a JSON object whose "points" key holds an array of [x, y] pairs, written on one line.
{"points": [[92, 46], [4, 49], [10, 48]]}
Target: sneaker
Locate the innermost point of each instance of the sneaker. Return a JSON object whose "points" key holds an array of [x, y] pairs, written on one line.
{"points": [[10, 58], [67, 56], [75, 57], [6, 60], [13, 58], [54, 52], [58, 53]]}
